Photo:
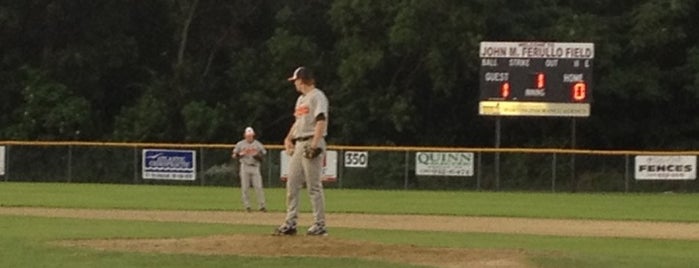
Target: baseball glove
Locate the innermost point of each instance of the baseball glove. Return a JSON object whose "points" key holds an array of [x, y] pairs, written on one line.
{"points": [[311, 153]]}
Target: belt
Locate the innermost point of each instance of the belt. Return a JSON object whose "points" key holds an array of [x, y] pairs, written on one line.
{"points": [[301, 139]]}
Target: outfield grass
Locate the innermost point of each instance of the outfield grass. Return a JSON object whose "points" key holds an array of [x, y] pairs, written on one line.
{"points": [[656, 207], [24, 240]]}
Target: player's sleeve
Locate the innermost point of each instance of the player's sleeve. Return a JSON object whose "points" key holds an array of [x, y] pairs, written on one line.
{"points": [[262, 150], [237, 148], [320, 111]]}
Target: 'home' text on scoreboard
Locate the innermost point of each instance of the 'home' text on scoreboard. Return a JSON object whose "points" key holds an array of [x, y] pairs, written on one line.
{"points": [[536, 79]]}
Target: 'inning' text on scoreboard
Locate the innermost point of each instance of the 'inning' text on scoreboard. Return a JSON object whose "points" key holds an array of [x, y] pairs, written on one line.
{"points": [[536, 79]]}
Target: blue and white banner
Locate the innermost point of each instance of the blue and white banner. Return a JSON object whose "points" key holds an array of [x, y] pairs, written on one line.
{"points": [[160, 164]]}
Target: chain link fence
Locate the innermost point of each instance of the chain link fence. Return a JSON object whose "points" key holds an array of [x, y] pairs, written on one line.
{"points": [[541, 170]]}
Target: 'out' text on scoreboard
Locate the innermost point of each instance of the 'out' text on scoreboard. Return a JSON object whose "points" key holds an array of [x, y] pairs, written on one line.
{"points": [[536, 78]]}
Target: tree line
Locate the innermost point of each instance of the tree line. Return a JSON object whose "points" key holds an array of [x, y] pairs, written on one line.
{"points": [[397, 72]]}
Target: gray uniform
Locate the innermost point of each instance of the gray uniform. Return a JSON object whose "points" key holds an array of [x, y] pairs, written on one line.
{"points": [[302, 169], [250, 170]]}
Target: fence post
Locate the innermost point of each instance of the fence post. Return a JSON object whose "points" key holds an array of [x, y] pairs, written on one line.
{"points": [[407, 169], [553, 173], [479, 170], [135, 165], [70, 163], [269, 168], [201, 167], [341, 163], [7, 163], [626, 173]]}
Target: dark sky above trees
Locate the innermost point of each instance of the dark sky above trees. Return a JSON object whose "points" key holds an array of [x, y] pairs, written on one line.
{"points": [[401, 72]]}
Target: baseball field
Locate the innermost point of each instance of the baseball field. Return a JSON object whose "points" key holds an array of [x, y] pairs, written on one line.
{"points": [[101, 225]]}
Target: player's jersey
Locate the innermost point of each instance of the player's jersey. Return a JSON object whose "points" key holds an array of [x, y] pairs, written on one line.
{"points": [[308, 107], [249, 149]]}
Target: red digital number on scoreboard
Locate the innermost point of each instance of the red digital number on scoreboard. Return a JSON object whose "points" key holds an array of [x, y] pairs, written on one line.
{"points": [[540, 80], [505, 90], [579, 91]]}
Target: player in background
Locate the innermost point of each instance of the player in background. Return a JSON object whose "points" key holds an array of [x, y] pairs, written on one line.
{"points": [[305, 143], [249, 153]]}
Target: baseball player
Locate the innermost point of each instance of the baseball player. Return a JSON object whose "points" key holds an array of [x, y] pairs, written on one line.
{"points": [[249, 153], [305, 145]]}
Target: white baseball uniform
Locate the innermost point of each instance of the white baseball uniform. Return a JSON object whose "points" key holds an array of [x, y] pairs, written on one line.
{"points": [[250, 170], [303, 170]]}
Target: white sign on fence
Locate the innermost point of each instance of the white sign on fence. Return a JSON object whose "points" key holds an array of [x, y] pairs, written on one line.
{"points": [[161, 164], [2, 160], [356, 159], [329, 166], [443, 164], [678, 167]]}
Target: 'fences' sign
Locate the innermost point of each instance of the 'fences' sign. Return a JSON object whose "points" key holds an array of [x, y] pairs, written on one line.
{"points": [[443, 164], [666, 167], [170, 165]]}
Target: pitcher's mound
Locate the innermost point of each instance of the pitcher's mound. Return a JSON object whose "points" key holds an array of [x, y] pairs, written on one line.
{"points": [[275, 246]]}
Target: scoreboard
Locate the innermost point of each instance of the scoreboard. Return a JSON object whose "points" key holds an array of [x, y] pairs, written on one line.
{"points": [[536, 79]]}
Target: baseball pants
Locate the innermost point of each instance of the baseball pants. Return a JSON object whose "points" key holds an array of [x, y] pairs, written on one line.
{"points": [[303, 170], [251, 175]]}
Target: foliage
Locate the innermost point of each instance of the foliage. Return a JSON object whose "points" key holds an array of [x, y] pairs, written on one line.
{"points": [[201, 121], [49, 110], [144, 121], [396, 72]]}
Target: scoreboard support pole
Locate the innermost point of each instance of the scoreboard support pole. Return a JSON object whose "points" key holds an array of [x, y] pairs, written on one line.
{"points": [[497, 153], [573, 136]]}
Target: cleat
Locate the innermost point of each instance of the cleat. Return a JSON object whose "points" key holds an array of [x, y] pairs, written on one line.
{"points": [[318, 229], [285, 229], [263, 209], [248, 209]]}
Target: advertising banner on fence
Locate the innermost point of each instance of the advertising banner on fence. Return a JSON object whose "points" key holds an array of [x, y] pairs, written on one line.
{"points": [[329, 166], [2, 160], [159, 164], [443, 164], [665, 167]]}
